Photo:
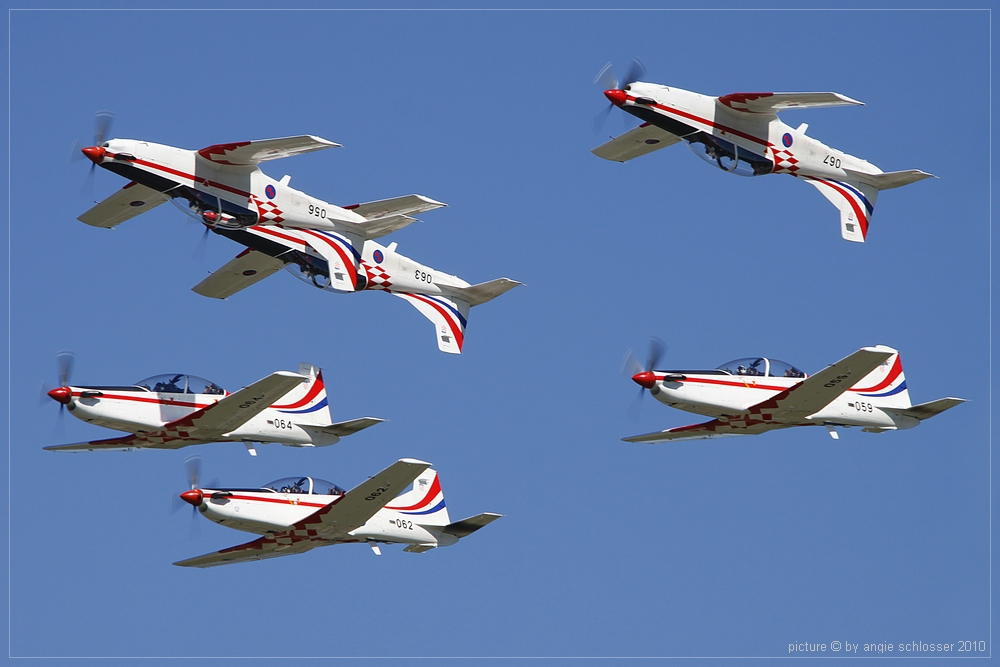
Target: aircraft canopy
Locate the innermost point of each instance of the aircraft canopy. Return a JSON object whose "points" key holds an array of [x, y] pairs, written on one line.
{"points": [[178, 383], [761, 367], [306, 485]]}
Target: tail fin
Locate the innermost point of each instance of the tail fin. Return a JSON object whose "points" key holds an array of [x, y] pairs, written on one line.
{"points": [[855, 201], [483, 292], [424, 503], [449, 316], [885, 387], [307, 403]]}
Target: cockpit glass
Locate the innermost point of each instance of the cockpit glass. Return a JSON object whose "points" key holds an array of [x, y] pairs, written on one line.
{"points": [[291, 485], [761, 367], [727, 156], [305, 485], [178, 383]]}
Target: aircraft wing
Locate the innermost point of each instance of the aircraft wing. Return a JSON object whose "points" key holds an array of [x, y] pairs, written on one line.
{"points": [[127, 203], [247, 268], [819, 390], [249, 153], [388, 215], [151, 440], [717, 428], [269, 546], [240, 407], [642, 140], [327, 525], [205, 425], [770, 103], [361, 503]]}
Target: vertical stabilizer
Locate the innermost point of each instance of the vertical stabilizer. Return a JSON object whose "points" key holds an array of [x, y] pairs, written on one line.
{"points": [[885, 387], [307, 403], [424, 503]]}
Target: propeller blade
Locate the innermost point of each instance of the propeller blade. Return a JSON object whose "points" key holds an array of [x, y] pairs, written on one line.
{"points": [[601, 118], [631, 364], [657, 348], [102, 126], [635, 407], [606, 78], [64, 363], [192, 465], [635, 72]]}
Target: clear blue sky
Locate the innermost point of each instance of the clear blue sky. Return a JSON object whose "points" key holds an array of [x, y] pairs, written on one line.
{"points": [[735, 547]]}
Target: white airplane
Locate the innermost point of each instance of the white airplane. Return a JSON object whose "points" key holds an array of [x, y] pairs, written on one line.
{"points": [[175, 410], [297, 514], [331, 247], [741, 133], [756, 395]]}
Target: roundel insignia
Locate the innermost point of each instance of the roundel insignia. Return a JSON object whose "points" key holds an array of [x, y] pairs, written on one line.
{"points": [[250, 272], [378, 256], [269, 190], [786, 139], [137, 203], [652, 141]]}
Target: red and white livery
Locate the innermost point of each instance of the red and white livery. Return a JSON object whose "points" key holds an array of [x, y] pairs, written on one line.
{"points": [[755, 395], [297, 514], [741, 133], [329, 246], [175, 410]]}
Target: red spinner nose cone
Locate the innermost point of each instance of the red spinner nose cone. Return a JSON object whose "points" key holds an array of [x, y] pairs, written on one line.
{"points": [[617, 97], [61, 395], [95, 154], [645, 379], [194, 497]]}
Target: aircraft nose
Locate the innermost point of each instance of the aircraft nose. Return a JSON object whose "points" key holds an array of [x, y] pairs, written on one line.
{"points": [[61, 395], [645, 379], [617, 97], [193, 497], [95, 154]]}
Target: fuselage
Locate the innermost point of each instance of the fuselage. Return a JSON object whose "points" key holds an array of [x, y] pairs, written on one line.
{"points": [[150, 406], [275, 510], [244, 204], [737, 386], [742, 142]]}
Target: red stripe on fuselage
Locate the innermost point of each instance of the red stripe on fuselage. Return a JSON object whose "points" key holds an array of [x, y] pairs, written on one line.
{"points": [[143, 399], [268, 229], [279, 501], [705, 121], [729, 383]]}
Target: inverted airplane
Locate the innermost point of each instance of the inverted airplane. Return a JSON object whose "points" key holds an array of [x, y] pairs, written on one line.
{"points": [[176, 410], [297, 514], [331, 247], [755, 395], [741, 133]]}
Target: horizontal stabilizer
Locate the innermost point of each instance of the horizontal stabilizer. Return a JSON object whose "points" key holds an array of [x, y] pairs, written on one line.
{"points": [[769, 103], [642, 140], [249, 153], [483, 292], [127, 203], [387, 215], [247, 268], [466, 527], [341, 429], [891, 179], [928, 410]]}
